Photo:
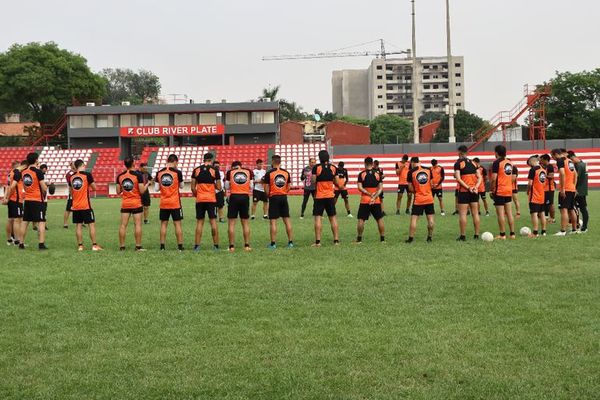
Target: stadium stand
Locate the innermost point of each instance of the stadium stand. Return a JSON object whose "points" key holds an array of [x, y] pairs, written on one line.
{"points": [[10, 154], [189, 158], [294, 157], [58, 161], [247, 154], [106, 167]]}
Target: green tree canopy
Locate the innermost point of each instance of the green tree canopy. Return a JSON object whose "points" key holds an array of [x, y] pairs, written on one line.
{"points": [[390, 129], [465, 123], [288, 110], [39, 80], [574, 106], [126, 85]]}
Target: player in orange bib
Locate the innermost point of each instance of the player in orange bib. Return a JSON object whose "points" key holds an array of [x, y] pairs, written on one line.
{"points": [[239, 180], [502, 190], [80, 184], [277, 186], [370, 186], [481, 188], [130, 185], [206, 182], [536, 192], [438, 175], [169, 182], [420, 184], [567, 191], [341, 190], [468, 179], [13, 200], [324, 175], [34, 209], [402, 170]]}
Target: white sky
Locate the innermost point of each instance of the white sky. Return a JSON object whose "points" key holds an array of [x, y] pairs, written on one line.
{"points": [[212, 49]]}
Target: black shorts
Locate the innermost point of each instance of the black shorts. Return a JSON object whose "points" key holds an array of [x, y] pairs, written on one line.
{"points": [[69, 204], [455, 192], [324, 205], [568, 201], [343, 193], [402, 189], [132, 211], [176, 214], [502, 200], [257, 196], [482, 195], [203, 209], [279, 207], [34, 211], [83, 217], [15, 210], [146, 200], [309, 192], [549, 197], [536, 208], [581, 201], [220, 199], [467, 197], [239, 206], [427, 209], [366, 210]]}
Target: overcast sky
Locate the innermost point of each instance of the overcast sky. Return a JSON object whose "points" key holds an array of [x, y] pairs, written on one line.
{"points": [[212, 49]]}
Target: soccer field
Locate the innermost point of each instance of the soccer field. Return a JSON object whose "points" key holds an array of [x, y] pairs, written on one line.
{"points": [[445, 320]]}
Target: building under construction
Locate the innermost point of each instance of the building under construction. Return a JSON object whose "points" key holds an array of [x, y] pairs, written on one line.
{"points": [[386, 87]]}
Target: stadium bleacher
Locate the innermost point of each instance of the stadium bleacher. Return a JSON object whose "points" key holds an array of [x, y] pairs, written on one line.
{"points": [[294, 157], [58, 161]]}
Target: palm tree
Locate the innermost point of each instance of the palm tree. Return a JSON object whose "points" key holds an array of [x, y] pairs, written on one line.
{"points": [[271, 93]]}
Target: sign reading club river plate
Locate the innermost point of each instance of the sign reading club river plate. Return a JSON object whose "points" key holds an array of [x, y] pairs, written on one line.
{"points": [[185, 130]]}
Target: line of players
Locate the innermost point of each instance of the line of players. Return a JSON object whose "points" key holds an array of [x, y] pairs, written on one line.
{"points": [[26, 196]]}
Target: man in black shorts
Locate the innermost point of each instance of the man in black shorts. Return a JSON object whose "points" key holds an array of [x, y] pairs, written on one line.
{"points": [[146, 198], [341, 189], [220, 193], [69, 198], [469, 179], [324, 175], [277, 186], [239, 180], [370, 186], [309, 185], [33, 207], [13, 199], [550, 188]]}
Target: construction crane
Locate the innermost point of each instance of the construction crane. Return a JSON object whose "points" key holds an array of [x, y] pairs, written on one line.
{"points": [[382, 53]]}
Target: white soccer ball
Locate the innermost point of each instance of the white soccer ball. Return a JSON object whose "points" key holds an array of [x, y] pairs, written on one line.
{"points": [[525, 231], [487, 237]]}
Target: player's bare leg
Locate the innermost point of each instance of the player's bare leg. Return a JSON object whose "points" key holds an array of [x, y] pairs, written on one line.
{"points": [[318, 229], [231, 233], [137, 233], [334, 229], [265, 208], [199, 229], [408, 202], [79, 235], [412, 227], [515, 198], [253, 211], [178, 232], [360, 228], [476, 220], [398, 202], [273, 230], [214, 231], [288, 229], [574, 220], [347, 205], [501, 220], [66, 218], [430, 226], [534, 225], [123, 229], [462, 219], [92, 228], [246, 234], [510, 218], [163, 232], [543, 222]]}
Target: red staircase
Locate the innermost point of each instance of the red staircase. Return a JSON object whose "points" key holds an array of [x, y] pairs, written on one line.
{"points": [[50, 131], [533, 102]]}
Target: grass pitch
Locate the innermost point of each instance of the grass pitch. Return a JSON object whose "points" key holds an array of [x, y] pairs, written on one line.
{"points": [[447, 320]]}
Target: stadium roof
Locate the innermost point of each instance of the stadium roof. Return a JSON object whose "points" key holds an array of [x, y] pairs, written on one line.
{"points": [[174, 108]]}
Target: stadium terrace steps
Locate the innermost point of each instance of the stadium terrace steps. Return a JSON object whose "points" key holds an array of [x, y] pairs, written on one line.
{"points": [[10, 154], [294, 157], [106, 167], [58, 161], [355, 163]]}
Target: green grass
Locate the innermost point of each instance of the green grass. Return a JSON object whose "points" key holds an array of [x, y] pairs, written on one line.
{"points": [[517, 319]]}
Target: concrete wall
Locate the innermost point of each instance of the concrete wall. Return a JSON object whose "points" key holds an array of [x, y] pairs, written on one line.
{"points": [[349, 93]]}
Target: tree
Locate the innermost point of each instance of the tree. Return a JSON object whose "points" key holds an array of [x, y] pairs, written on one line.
{"points": [[40, 80], [355, 120], [573, 109], [126, 85], [465, 124], [430, 117], [288, 110], [390, 129], [326, 116]]}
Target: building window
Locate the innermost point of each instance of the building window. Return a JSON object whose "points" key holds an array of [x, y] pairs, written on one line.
{"points": [[379, 76], [184, 119], [457, 65], [106, 121], [436, 86], [207, 119], [161, 120], [458, 74], [236, 118], [389, 77], [458, 84], [427, 106], [379, 86], [379, 67], [266, 117], [380, 106], [458, 104], [445, 85], [128, 120], [390, 107], [380, 96], [146, 120], [458, 94], [81, 121], [427, 87], [426, 77]]}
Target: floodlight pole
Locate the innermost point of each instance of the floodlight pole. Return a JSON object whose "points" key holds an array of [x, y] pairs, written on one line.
{"points": [[451, 88], [415, 78]]}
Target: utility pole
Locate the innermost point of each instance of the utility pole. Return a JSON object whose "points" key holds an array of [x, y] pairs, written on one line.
{"points": [[451, 88], [415, 78]]}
